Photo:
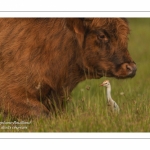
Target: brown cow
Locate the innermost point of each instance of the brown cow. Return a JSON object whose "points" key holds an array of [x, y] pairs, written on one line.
{"points": [[42, 60]]}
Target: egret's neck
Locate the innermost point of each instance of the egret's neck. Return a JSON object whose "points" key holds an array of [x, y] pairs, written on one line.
{"points": [[109, 92]]}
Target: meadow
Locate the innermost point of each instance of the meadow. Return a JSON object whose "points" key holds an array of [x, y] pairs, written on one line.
{"points": [[87, 109]]}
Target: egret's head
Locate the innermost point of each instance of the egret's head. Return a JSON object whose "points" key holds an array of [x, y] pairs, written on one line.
{"points": [[106, 83]]}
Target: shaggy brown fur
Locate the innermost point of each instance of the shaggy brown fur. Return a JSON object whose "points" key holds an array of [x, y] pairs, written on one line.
{"points": [[42, 60]]}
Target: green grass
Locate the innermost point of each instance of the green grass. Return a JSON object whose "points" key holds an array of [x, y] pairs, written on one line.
{"points": [[87, 110]]}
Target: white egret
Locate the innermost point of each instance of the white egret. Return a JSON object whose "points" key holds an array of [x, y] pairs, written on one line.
{"points": [[110, 101]]}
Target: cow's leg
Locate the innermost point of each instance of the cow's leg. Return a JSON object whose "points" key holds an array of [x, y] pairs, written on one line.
{"points": [[24, 108]]}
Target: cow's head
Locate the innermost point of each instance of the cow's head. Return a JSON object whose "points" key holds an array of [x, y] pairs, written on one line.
{"points": [[104, 47]]}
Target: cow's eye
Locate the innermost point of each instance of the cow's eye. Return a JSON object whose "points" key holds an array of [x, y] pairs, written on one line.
{"points": [[102, 37]]}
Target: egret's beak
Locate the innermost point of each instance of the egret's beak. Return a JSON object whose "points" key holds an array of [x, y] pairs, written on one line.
{"points": [[101, 84]]}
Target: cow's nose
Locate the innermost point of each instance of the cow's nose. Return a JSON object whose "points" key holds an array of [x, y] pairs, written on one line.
{"points": [[131, 69]]}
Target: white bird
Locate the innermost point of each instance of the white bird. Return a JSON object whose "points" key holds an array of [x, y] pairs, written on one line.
{"points": [[110, 101]]}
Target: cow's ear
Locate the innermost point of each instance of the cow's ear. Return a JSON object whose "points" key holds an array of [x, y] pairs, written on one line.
{"points": [[88, 22], [77, 26]]}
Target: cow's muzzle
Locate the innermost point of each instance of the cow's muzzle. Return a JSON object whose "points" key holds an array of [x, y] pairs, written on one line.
{"points": [[130, 69], [125, 70]]}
